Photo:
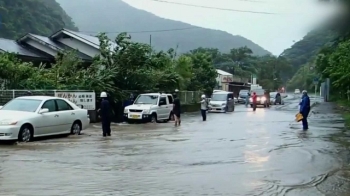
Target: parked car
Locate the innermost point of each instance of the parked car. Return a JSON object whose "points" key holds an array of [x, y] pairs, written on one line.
{"points": [[150, 107], [28, 117], [263, 98], [222, 101], [242, 96], [296, 91]]}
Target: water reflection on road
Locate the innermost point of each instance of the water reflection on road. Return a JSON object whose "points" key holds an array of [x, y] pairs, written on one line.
{"points": [[242, 153]]}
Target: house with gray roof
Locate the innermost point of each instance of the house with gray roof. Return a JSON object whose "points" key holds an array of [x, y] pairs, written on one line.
{"points": [[37, 48]]}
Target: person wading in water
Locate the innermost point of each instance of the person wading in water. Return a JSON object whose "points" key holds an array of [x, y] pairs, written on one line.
{"points": [[177, 110]]}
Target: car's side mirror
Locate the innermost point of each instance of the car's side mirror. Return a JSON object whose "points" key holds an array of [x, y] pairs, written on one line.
{"points": [[1, 107], [43, 111]]}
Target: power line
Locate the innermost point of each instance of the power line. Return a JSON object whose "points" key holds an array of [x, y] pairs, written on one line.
{"points": [[214, 8], [151, 31]]}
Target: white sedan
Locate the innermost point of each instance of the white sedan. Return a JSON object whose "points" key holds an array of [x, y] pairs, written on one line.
{"points": [[24, 118]]}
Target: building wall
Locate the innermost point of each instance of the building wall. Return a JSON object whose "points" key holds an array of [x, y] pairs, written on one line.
{"points": [[82, 47]]}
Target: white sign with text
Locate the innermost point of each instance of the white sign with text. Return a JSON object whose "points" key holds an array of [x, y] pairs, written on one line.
{"points": [[85, 99]]}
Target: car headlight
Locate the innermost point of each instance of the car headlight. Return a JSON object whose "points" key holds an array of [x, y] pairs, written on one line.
{"points": [[8, 122], [146, 111], [126, 110]]}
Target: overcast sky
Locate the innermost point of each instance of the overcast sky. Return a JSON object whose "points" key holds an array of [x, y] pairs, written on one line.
{"points": [[275, 32]]}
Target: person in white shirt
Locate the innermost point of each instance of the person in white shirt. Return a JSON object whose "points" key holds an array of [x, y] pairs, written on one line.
{"points": [[204, 107]]}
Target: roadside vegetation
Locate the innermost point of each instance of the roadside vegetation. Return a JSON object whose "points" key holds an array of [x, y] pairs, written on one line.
{"points": [[137, 67], [333, 62]]}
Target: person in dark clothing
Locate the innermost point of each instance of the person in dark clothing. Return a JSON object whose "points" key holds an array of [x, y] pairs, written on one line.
{"points": [[305, 109], [105, 115], [177, 110]]}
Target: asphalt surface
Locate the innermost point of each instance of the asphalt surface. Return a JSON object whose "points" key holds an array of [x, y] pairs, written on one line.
{"points": [[240, 153]]}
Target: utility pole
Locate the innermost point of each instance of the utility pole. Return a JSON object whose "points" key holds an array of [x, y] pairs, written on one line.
{"points": [[150, 45], [150, 40]]}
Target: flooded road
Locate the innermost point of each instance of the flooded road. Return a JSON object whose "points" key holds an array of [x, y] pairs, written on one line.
{"points": [[239, 153]]}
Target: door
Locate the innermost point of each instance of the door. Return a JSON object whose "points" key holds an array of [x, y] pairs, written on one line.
{"points": [[163, 108], [66, 116], [230, 102], [49, 122]]}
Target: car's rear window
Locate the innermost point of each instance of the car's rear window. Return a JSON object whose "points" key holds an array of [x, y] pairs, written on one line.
{"points": [[259, 92]]}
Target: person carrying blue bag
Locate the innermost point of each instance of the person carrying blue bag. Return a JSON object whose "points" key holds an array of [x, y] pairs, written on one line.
{"points": [[305, 109]]}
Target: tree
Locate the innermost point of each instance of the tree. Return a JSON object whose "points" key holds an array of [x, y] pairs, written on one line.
{"points": [[338, 68], [203, 72]]}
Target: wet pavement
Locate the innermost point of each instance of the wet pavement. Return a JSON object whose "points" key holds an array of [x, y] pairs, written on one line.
{"points": [[240, 153]]}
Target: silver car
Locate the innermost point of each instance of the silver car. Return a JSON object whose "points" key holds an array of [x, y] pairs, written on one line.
{"points": [[25, 118]]}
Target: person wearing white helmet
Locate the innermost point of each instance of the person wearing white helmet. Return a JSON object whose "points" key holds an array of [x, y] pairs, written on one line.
{"points": [[204, 107], [305, 109], [105, 111]]}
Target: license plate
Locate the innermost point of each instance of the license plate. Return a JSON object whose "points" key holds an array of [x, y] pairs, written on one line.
{"points": [[135, 116]]}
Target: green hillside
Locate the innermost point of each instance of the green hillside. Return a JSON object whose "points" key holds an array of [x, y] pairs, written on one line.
{"points": [[43, 17]]}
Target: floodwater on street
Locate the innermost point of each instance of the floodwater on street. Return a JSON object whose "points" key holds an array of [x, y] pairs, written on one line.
{"points": [[240, 153]]}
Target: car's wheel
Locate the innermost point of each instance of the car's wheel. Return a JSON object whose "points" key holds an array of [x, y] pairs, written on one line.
{"points": [[76, 128], [25, 134], [154, 118]]}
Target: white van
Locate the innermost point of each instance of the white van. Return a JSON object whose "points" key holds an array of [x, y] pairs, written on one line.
{"points": [[222, 101], [150, 107]]}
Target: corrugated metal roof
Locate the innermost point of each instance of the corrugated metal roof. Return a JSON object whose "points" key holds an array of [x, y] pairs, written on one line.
{"points": [[59, 45], [13, 47], [92, 39], [223, 72]]}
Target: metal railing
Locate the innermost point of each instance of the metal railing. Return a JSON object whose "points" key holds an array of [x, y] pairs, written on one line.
{"points": [[188, 97]]}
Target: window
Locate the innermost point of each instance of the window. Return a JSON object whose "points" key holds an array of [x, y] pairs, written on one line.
{"points": [[146, 99], [62, 105], [259, 92], [162, 101], [23, 105], [219, 97], [50, 104], [171, 101]]}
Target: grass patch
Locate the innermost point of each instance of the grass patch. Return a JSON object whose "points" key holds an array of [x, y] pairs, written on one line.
{"points": [[344, 107]]}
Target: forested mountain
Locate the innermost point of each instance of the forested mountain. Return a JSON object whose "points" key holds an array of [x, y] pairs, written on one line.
{"points": [[303, 54], [305, 50], [117, 16], [43, 17]]}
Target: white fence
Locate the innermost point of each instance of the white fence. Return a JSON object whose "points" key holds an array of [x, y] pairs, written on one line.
{"points": [[80, 97]]}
